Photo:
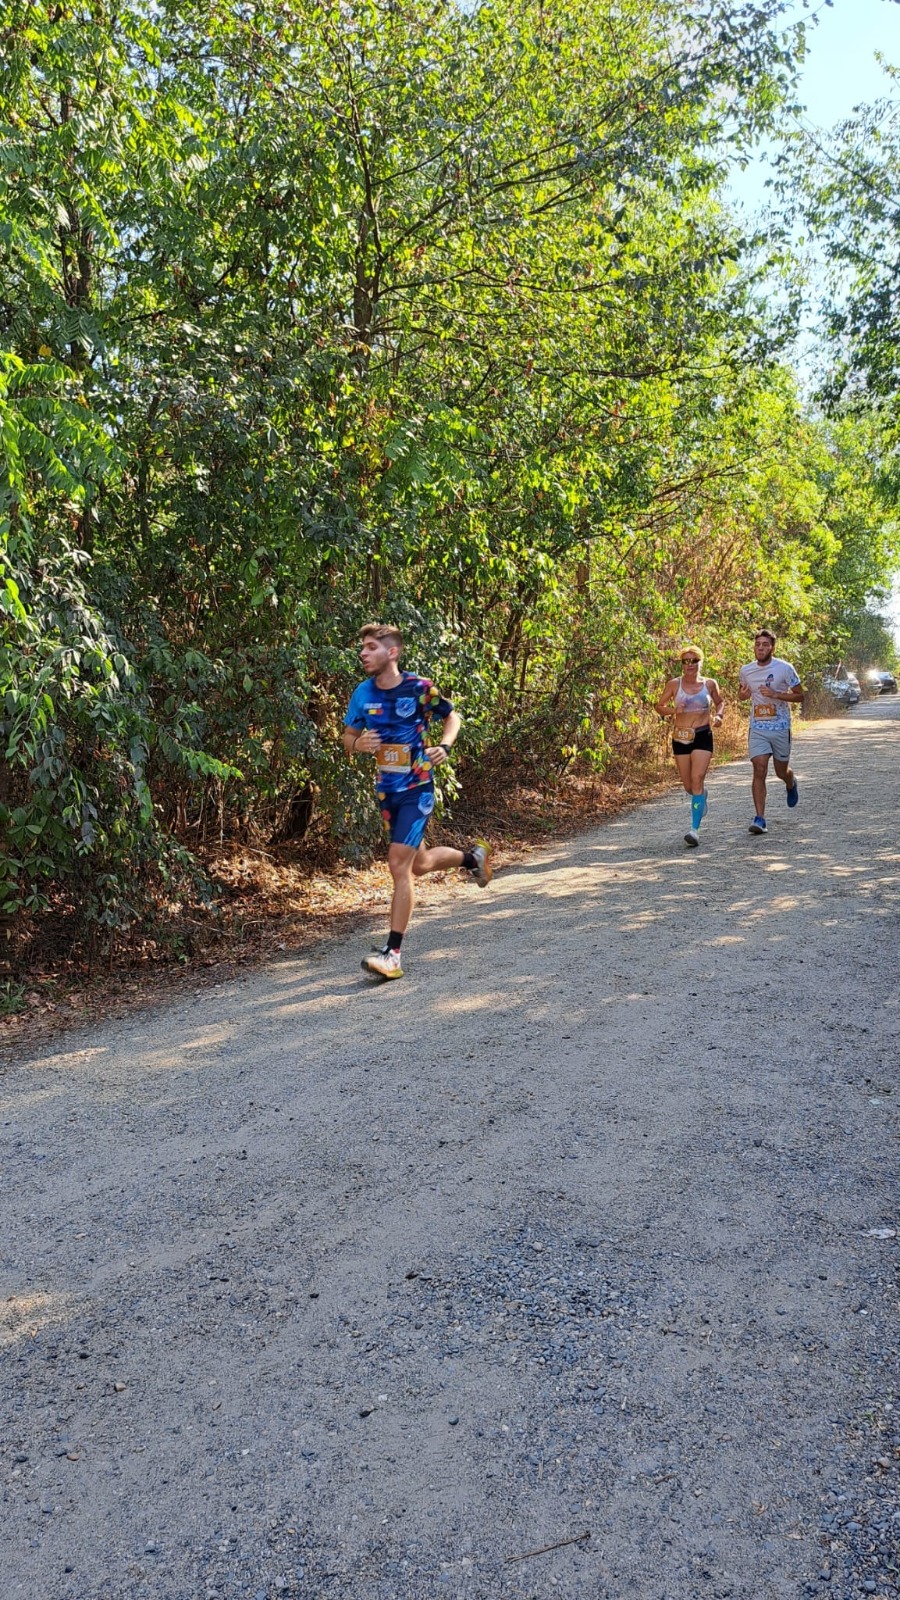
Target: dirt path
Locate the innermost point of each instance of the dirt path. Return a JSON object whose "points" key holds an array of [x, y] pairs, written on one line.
{"points": [[588, 1225]]}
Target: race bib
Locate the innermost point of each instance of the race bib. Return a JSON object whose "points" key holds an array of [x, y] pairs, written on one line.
{"points": [[684, 735], [763, 713], [394, 758]]}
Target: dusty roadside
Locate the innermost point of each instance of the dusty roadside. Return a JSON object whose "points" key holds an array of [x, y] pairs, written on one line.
{"points": [[587, 1227]]}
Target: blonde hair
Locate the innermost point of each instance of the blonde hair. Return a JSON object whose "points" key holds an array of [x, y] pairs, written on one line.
{"points": [[384, 633], [694, 650]]}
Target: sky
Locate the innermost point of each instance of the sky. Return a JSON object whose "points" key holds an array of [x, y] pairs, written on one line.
{"points": [[840, 72]]}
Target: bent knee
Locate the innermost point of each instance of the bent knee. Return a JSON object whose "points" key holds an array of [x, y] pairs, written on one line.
{"points": [[401, 867]]}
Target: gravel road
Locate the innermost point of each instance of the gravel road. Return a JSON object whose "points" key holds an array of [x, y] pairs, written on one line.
{"points": [[587, 1227]]}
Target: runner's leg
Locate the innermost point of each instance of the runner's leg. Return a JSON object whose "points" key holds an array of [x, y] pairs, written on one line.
{"points": [[440, 858], [386, 962], [400, 862], [683, 763], [700, 760], [406, 819], [760, 767], [410, 861], [784, 771]]}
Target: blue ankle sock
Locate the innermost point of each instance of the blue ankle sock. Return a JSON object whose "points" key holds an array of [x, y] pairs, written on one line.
{"points": [[698, 806]]}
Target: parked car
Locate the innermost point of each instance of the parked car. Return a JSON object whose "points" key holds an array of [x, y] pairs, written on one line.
{"points": [[855, 690], [880, 681], [842, 690]]}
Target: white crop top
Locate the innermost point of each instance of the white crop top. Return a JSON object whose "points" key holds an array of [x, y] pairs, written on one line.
{"points": [[701, 701]]}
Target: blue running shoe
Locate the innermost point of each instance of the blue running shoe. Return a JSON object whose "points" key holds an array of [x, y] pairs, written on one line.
{"points": [[793, 796], [758, 825]]}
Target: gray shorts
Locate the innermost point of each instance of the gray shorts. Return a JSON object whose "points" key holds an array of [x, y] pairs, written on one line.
{"points": [[777, 743]]}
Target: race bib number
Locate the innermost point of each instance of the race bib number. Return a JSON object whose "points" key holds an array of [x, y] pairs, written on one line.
{"points": [[684, 735], [764, 713], [394, 758]]}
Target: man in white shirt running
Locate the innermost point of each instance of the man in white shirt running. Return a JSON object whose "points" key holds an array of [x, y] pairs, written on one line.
{"points": [[773, 687]]}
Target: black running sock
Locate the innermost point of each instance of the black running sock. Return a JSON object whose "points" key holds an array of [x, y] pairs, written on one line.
{"points": [[470, 861], [395, 940]]}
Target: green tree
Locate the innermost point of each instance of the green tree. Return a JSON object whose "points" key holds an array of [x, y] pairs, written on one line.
{"points": [[321, 311]]}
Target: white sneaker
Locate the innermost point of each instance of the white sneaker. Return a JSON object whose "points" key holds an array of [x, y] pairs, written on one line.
{"points": [[484, 871], [386, 964], [692, 838]]}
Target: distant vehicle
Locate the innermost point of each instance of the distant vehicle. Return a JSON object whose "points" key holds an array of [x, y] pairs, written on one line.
{"points": [[844, 690], [880, 681]]}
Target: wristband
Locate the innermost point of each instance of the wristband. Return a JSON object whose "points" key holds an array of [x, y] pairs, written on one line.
{"points": [[445, 747]]}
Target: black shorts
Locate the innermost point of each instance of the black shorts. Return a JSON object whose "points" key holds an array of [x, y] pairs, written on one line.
{"points": [[702, 740]]}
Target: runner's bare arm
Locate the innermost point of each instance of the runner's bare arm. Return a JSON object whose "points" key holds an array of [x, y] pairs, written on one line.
{"points": [[717, 698], [793, 696], [359, 742], [744, 691], [449, 734], [664, 703]]}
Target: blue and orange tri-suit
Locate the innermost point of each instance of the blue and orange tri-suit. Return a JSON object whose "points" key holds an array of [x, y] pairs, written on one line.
{"points": [[404, 776]]}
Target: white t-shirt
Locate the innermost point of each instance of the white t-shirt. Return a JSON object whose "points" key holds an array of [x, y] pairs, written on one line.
{"points": [[774, 715]]}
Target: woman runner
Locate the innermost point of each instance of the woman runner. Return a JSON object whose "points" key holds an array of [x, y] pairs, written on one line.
{"points": [[689, 699]]}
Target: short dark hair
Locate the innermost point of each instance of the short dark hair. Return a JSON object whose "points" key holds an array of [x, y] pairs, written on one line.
{"points": [[766, 633], [384, 633]]}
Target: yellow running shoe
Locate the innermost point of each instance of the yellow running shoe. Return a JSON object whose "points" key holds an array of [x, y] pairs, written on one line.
{"points": [[484, 872], [386, 964]]}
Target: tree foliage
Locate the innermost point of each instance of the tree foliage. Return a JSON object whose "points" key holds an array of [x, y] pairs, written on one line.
{"points": [[851, 194], [847, 184], [315, 311]]}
